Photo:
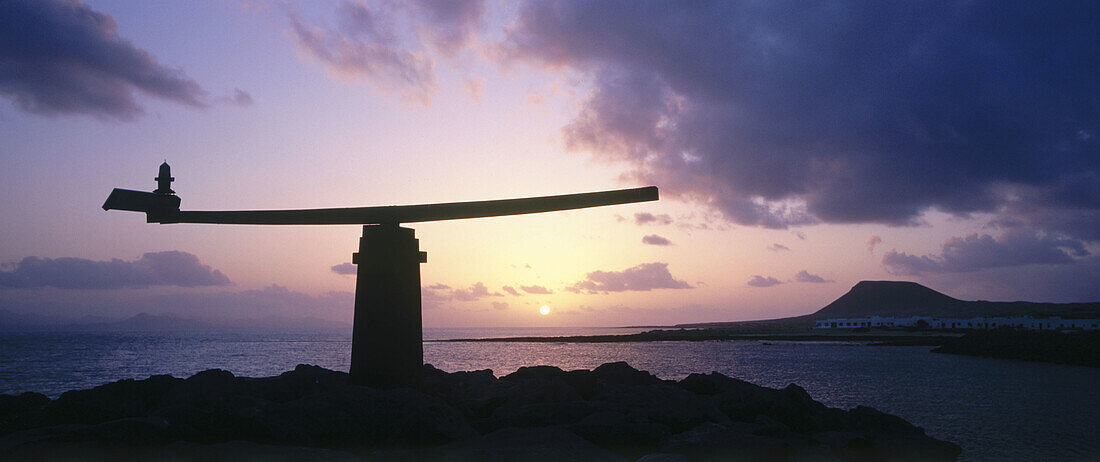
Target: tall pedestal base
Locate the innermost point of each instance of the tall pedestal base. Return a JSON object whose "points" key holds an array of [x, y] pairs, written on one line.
{"points": [[387, 341]]}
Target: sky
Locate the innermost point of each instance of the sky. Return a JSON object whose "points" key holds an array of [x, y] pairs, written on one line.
{"points": [[799, 148]]}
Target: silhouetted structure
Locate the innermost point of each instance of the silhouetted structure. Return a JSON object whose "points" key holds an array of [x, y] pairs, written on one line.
{"points": [[387, 340]]}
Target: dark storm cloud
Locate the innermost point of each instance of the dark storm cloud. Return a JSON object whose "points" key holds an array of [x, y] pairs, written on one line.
{"points": [[644, 277], [782, 113], [170, 268], [654, 239], [537, 290], [1077, 282], [345, 268], [646, 218], [63, 57], [1018, 247], [761, 281], [805, 276]]}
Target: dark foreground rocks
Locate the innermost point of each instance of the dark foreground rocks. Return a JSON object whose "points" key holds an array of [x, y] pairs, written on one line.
{"points": [[612, 413]]}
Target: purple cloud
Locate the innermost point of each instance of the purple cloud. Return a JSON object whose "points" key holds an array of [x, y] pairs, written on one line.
{"points": [[1017, 247], [778, 247], [511, 290], [805, 276], [366, 46], [537, 290], [474, 292], [761, 281], [63, 57], [646, 218], [169, 268], [644, 277], [233, 306], [450, 23], [345, 268], [872, 242], [780, 114], [654, 239]]}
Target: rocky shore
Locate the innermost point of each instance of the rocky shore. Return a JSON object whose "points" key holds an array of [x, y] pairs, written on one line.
{"points": [[613, 413]]}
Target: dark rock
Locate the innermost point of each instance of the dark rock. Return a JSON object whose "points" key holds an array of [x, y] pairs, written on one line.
{"points": [[13, 405], [662, 457], [621, 373], [712, 440], [526, 444], [614, 412], [534, 373], [621, 433]]}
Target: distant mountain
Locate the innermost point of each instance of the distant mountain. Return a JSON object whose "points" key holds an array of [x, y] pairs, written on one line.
{"points": [[904, 299], [890, 298], [146, 321], [279, 322]]}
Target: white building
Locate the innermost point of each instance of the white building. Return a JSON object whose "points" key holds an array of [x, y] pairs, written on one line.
{"points": [[1020, 322]]}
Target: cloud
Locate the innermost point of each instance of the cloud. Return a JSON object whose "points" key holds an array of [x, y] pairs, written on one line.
{"points": [[654, 239], [872, 242], [475, 87], [169, 268], [431, 296], [511, 290], [273, 300], [450, 23], [345, 268], [1067, 283], [537, 290], [474, 292], [781, 114], [801, 235], [778, 247], [61, 57], [1017, 247], [366, 46], [392, 45], [500, 305], [644, 277], [804, 276], [240, 98], [646, 218], [760, 281]]}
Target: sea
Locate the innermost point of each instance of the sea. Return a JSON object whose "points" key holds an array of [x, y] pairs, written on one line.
{"points": [[995, 409]]}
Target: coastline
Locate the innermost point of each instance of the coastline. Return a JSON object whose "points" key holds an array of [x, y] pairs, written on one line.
{"points": [[702, 335]]}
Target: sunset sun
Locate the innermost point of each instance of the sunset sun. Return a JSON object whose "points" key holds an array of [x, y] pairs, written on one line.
{"points": [[544, 310]]}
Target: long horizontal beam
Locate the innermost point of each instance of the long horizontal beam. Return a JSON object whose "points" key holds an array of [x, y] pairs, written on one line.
{"points": [[414, 213]]}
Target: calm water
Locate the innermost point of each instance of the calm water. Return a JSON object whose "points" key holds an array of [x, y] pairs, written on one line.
{"points": [[994, 409]]}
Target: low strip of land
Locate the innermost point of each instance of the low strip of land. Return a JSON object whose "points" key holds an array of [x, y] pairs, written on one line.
{"points": [[1075, 348], [702, 335]]}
